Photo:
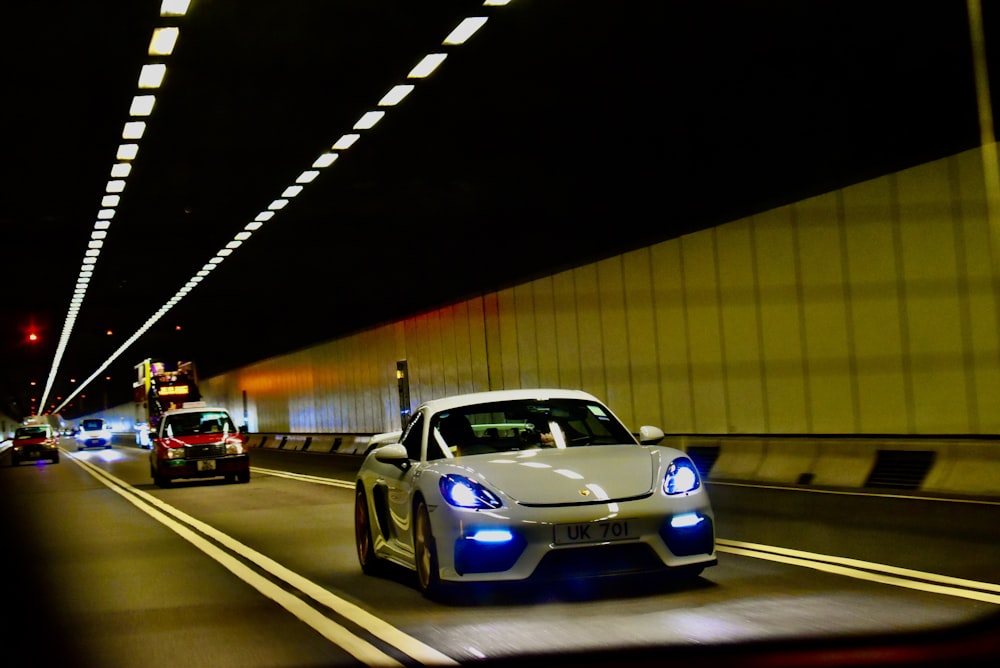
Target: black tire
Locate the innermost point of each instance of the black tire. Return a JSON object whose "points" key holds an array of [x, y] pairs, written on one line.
{"points": [[243, 477], [55, 458], [363, 540], [425, 552], [13, 460], [159, 480]]}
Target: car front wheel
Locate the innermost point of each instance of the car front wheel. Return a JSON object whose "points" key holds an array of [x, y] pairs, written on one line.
{"points": [[425, 552], [159, 480]]}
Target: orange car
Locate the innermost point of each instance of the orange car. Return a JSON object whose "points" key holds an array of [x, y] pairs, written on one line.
{"points": [[34, 443]]}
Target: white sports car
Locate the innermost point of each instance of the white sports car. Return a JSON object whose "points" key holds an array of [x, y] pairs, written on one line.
{"points": [[519, 484]]}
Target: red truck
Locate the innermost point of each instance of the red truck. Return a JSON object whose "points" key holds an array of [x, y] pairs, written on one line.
{"points": [[158, 387]]}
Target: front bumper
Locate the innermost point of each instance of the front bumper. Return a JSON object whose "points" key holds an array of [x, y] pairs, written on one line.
{"points": [[174, 469], [653, 543]]}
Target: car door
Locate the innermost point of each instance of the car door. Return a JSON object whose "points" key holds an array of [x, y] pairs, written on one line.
{"points": [[399, 481]]}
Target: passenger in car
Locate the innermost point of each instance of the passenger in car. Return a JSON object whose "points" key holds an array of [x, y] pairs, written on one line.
{"points": [[456, 430], [559, 435]]}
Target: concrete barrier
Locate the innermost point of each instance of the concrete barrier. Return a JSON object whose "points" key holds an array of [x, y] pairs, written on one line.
{"points": [[954, 466], [966, 468], [295, 442], [353, 446], [321, 443], [275, 442], [739, 463], [787, 461], [843, 463], [256, 440]]}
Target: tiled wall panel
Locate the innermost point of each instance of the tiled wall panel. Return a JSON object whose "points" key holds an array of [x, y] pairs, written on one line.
{"points": [[868, 310]]}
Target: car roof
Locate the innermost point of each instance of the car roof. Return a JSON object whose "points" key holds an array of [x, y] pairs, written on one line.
{"points": [[445, 403]]}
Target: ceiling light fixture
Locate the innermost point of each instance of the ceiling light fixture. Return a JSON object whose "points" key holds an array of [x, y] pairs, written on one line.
{"points": [[163, 41], [151, 75]]}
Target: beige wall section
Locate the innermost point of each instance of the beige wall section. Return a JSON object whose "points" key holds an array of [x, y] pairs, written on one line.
{"points": [[868, 310]]}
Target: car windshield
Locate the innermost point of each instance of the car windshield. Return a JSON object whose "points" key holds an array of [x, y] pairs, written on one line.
{"points": [[522, 424], [189, 424], [30, 432], [93, 425]]}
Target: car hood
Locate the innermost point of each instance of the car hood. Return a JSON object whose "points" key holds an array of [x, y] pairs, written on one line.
{"points": [[572, 475]]}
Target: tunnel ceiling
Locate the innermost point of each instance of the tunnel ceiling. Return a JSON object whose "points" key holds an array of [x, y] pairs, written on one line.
{"points": [[559, 133]]}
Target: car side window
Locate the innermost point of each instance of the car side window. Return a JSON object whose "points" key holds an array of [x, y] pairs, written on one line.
{"points": [[411, 439]]}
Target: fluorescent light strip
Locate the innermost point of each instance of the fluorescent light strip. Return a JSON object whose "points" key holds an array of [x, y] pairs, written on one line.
{"points": [[368, 120], [151, 76], [465, 30]]}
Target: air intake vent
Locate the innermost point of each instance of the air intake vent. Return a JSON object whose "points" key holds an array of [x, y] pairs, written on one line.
{"points": [[900, 469]]}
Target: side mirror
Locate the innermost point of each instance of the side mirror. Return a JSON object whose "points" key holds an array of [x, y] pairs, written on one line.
{"points": [[392, 453], [244, 430], [649, 435]]}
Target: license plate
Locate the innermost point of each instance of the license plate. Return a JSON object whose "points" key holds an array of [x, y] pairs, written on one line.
{"points": [[206, 464], [591, 532]]}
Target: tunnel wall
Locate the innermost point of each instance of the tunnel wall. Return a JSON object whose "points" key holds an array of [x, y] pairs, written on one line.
{"points": [[867, 310]]}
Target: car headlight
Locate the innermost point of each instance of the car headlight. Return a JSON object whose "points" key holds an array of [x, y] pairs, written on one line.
{"points": [[174, 453], [681, 477], [462, 492], [235, 447]]}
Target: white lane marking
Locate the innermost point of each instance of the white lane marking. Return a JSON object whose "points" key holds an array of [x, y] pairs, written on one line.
{"points": [[864, 570], [847, 492], [334, 632], [867, 565], [839, 565], [843, 566], [304, 477]]}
